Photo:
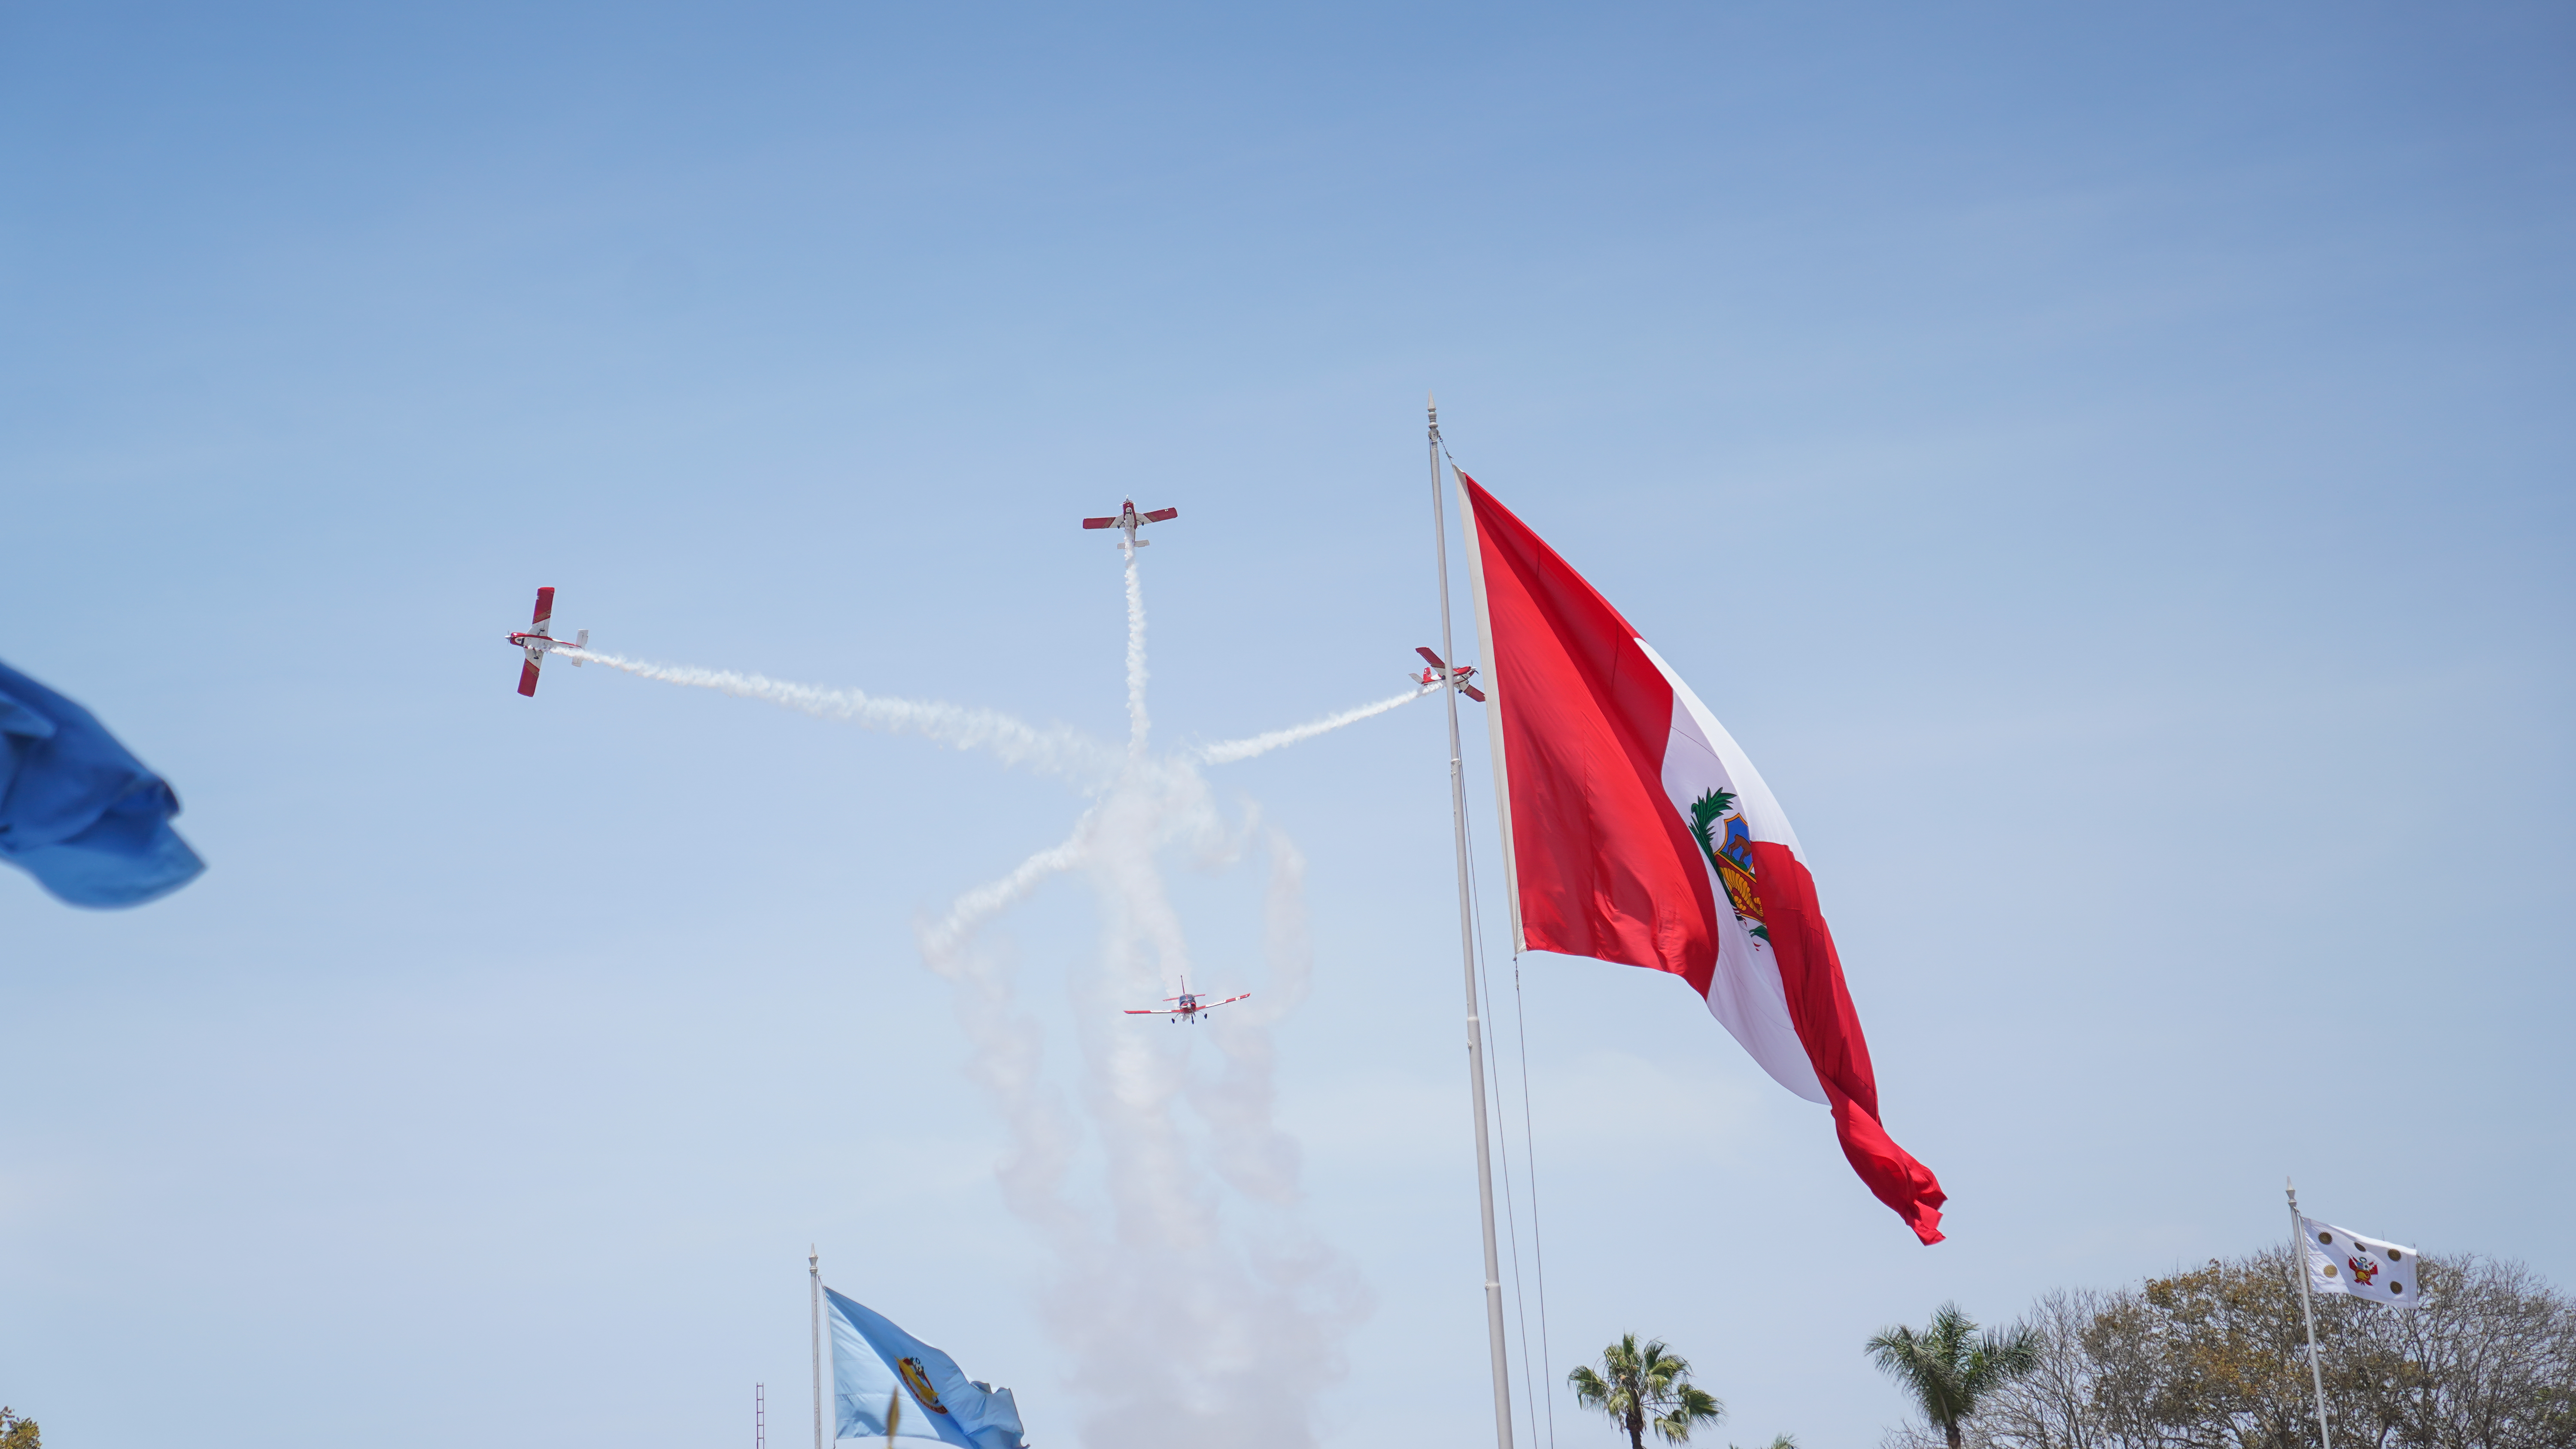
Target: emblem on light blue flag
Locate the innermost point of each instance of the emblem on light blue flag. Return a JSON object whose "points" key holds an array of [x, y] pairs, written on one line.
{"points": [[877, 1366]]}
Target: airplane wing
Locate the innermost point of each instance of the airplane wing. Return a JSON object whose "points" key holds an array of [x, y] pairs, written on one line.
{"points": [[1425, 652], [1162, 515], [1472, 692], [537, 625], [1229, 1001], [1149, 1011], [1100, 523]]}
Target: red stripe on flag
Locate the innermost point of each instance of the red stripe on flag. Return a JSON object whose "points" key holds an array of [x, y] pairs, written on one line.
{"points": [[1820, 1006], [1607, 867]]}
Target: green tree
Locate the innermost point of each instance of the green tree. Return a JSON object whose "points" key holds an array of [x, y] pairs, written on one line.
{"points": [[1949, 1367], [17, 1433], [1642, 1386], [2216, 1358]]}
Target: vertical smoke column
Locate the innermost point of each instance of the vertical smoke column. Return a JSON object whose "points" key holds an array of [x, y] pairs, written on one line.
{"points": [[1304, 1295], [1137, 724], [1143, 1317], [1190, 1314]]}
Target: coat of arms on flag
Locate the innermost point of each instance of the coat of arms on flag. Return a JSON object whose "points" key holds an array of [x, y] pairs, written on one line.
{"points": [[2343, 1261]]}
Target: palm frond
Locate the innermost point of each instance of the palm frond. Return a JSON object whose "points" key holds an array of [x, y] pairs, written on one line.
{"points": [[1704, 813], [1947, 1367], [1642, 1384], [1999, 1358], [1691, 1405]]}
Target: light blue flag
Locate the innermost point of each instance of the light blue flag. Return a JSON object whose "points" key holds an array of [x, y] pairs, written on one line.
{"points": [[872, 1361]]}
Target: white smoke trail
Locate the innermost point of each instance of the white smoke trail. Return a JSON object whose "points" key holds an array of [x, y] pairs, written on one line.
{"points": [[1229, 751], [1192, 1306], [1010, 1045], [1057, 751], [1137, 724], [941, 943], [1183, 1325], [1186, 1334], [1324, 1294]]}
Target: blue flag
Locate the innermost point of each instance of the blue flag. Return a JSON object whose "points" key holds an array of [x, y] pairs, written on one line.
{"points": [[76, 811], [876, 1365]]}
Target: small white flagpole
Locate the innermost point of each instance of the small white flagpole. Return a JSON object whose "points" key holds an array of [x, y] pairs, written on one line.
{"points": [[2308, 1308], [814, 1270], [1467, 950]]}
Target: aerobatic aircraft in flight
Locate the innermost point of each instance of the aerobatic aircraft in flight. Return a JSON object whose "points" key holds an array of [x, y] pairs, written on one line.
{"points": [[539, 640], [1129, 519], [1190, 1005], [1439, 673]]}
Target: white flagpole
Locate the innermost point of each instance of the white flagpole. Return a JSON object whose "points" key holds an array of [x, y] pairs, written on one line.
{"points": [[1467, 951], [2308, 1308], [814, 1270]]}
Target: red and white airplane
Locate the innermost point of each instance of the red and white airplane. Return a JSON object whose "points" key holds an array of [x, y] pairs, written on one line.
{"points": [[538, 640], [1129, 519], [1191, 1006], [1439, 672]]}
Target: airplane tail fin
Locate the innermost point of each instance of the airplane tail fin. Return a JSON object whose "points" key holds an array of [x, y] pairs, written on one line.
{"points": [[580, 641]]}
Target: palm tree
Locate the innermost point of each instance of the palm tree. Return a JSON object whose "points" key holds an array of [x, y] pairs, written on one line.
{"points": [[1648, 1385], [1948, 1367]]}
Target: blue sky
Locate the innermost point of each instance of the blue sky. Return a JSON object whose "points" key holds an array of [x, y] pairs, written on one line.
{"points": [[2109, 470]]}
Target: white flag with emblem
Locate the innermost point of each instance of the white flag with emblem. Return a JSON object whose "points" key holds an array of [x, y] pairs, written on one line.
{"points": [[2343, 1261]]}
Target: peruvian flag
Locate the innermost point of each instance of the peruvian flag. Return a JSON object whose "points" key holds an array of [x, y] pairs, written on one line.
{"points": [[1636, 831]]}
